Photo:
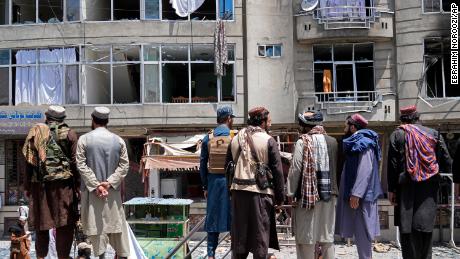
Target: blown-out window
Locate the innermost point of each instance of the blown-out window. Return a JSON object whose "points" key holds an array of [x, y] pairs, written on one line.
{"points": [[115, 74], [436, 6], [344, 72], [437, 69]]}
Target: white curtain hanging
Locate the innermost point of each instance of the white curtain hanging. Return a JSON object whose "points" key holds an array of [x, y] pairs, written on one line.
{"points": [[185, 7], [25, 77], [50, 87]]}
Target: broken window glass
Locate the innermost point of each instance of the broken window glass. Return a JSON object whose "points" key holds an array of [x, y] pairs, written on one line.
{"points": [[174, 53], [228, 90], [50, 11], [431, 6], [152, 9], [226, 9], [151, 83], [24, 11], [365, 76], [126, 53], [446, 5], [97, 83], [231, 52], [175, 83], [261, 51], [207, 11], [4, 56], [343, 52], [4, 85], [364, 52], [202, 52], [151, 53], [4, 12], [97, 53], [322, 52], [99, 10], [204, 83], [73, 10], [126, 10], [72, 89], [437, 67], [126, 83]]}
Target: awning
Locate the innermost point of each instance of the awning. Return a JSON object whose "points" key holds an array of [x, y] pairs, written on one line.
{"points": [[172, 163]]}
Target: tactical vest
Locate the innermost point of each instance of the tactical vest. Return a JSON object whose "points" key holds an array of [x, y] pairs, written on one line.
{"points": [[58, 153], [217, 147]]}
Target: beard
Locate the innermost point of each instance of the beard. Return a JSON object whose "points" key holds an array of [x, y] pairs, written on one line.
{"points": [[347, 134]]}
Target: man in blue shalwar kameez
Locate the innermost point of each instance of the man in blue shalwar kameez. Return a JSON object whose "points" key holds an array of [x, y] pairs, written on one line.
{"points": [[357, 211], [215, 184]]}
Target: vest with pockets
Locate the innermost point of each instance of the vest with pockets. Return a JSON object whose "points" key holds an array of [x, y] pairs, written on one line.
{"points": [[57, 163], [217, 147]]}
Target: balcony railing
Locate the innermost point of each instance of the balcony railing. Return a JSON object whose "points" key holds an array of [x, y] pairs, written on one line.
{"points": [[342, 17], [347, 101]]}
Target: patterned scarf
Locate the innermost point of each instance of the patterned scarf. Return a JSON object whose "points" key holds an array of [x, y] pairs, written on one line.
{"points": [[35, 144], [220, 49], [243, 136], [309, 191], [421, 163]]}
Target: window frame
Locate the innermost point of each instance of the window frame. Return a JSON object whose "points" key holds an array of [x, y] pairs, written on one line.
{"points": [[265, 50], [37, 66], [36, 22], [353, 62], [189, 63], [82, 17], [444, 83], [82, 62], [441, 11]]}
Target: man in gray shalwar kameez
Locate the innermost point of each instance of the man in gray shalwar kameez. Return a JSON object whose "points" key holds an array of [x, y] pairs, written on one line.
{"points": [[316, 224], [357, 211], [102, 160]]}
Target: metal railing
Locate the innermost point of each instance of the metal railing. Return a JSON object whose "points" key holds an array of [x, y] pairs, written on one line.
{"points": [[347, 96], [187, 238], [341, 17]]}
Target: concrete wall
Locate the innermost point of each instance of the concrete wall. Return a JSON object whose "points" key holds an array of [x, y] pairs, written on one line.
{"points": [[412, 27], [271, 80]]}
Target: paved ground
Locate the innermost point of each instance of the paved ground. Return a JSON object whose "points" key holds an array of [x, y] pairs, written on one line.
{"points": [[288, 252], [342, 252]]}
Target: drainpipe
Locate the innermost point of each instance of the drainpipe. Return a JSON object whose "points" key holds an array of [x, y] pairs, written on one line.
{"points": [[395, 64], [245, 62]]}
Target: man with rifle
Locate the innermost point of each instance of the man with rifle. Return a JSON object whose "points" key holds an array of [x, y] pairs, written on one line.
{"points": [[52, 181]]}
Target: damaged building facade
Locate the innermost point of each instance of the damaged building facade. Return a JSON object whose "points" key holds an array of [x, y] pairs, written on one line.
{"points": [[152, 63]]}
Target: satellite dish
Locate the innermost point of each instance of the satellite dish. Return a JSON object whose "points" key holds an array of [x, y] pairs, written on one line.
{"points": [[308, 5]]}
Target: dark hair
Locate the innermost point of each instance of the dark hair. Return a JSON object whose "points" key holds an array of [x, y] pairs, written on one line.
{"points": [[350, 122], [410, 118], [304, 125], [50, 119], [98, 121], [258, 119], [221, 120]]}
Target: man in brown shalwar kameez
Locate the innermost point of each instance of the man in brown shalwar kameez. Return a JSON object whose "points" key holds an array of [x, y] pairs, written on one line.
{"points": [[253, 222], [52, 181]]}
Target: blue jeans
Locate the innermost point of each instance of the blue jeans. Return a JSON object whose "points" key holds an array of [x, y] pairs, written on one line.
{"points": [[213, 240]]}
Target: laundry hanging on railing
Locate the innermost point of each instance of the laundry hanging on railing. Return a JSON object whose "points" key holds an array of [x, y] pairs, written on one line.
{"points": [[339, 9], [185, 7], [220, 49]]}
